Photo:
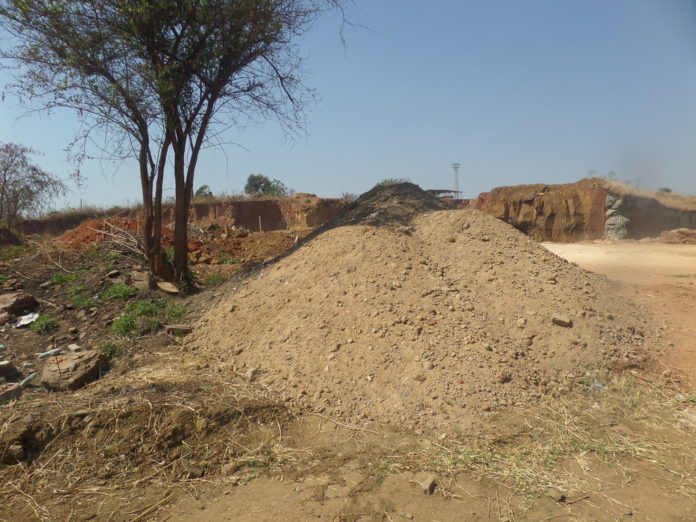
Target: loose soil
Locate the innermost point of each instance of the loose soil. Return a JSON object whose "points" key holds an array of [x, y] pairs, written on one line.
{"points": [[428, 327], [469, 387]]}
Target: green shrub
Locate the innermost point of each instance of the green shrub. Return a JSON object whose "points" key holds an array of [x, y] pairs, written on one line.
{"points": [[215, 279], [149, 325], [145, 308], [81, 301], [392, 181], [77, 289], [44, 324], [224, 259], [124, 325], [61, 278], [168, 254], [174, 313], [119, 291], [12, 252], [110, 349]]}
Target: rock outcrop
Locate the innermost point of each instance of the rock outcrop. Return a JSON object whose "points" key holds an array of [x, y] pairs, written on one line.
{"points": [[588, 209]]}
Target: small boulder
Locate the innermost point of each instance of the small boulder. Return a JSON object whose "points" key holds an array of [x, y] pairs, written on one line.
{"points": [[14, 303], [562, 320], [72, 371], [167, 287]]}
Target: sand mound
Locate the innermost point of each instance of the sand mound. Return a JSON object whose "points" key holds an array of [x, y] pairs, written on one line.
{"points": [[426, 327]]}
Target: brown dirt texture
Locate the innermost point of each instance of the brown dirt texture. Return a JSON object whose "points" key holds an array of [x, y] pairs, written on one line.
{"points": [[406, 363], [427, 328]]}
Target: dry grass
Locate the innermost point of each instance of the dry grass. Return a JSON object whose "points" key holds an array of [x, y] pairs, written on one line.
{"points": [[581, 432], [161, 428], [668, 199]]}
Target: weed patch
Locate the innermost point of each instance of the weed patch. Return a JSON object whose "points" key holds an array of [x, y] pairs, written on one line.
{"points": [[215, 280], [119, 291], [111, 349], [224, 259], [44, 324], [62, 278], [124, 325]]}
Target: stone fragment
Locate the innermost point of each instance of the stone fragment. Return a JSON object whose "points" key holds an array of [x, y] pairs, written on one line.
{"points": [[562, 320], [167, 287], [10, 393], [143, 286], [428, 485], [555, 494], [15, 303], [181, 329], [7, 369], [503, 376], [72, 371]]}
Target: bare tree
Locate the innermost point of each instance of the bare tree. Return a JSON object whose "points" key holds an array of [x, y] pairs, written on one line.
{"points": [[25, 189], [156, 75]]}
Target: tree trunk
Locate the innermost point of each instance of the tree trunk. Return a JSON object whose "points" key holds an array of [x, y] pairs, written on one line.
{"points": [[146, 185], [180, 212]]}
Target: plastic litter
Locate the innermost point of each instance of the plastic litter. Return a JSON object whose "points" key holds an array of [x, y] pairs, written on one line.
{"points": [[27, 380], [54, 351], [27, 319], [599, 386]]}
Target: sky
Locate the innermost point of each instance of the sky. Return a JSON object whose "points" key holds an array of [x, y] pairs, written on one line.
{"points": [[534, 91]]}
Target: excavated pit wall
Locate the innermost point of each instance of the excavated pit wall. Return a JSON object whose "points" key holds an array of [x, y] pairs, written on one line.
{"points": [[579, 211], [297, 212]]}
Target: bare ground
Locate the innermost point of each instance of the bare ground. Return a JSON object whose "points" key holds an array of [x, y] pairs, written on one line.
{"points": [[176, 434], [624, 453]]}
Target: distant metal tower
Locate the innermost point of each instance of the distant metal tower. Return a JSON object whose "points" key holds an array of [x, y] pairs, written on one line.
{"points": [[455, 166]]}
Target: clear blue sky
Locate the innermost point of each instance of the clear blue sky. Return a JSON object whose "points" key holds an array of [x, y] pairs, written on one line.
{"points": [[516, 91]]}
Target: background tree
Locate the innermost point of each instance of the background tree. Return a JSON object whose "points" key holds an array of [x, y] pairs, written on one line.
{"points": [[203, 192], [260, 185], [25, 189], [155, 75]]}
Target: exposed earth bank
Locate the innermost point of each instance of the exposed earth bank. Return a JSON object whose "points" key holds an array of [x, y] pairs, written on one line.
{"points": [[589, 209]]}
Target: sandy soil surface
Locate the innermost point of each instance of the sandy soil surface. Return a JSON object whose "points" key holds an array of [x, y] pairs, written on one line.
{"points": [[660, 276], [635, 262]]}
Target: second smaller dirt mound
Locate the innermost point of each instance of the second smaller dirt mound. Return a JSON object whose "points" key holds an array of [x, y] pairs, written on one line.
{"points": [[392, 205]]}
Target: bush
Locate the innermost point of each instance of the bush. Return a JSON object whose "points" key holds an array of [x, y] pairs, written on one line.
{"points": [[124, 325], [392, 181], [44, 324], [174, 313], [61, 278], [119, 291], [81, 301], [110, 349], [77, 289], [215, 279], [144, 308]]}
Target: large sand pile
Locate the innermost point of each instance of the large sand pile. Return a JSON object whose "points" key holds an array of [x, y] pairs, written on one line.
{"points": [[427, 326]]}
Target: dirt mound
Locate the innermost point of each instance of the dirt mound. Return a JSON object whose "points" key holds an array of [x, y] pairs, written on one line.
{"points": [[394, 205], [424, 327], [96, 230], [684, 236]]}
